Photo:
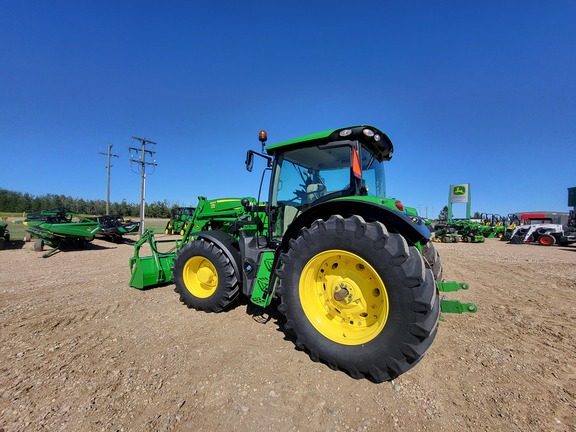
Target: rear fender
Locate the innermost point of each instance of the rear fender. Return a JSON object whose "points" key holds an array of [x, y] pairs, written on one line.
{"points": [[411, 227]]}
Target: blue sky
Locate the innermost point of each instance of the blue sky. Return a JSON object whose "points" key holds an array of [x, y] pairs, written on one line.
{"points": [[469, 92]]}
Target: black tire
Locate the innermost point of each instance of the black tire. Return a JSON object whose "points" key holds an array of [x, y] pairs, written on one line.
{"points": [[432, 260], [2, 243], [388, 344], [204, 277]]}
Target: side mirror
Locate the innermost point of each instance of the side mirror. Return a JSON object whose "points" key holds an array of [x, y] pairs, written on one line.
{"points": [[249, 160]]}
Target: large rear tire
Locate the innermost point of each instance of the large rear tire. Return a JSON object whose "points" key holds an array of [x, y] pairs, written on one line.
{"points": [[204, 277], [358, 298]]}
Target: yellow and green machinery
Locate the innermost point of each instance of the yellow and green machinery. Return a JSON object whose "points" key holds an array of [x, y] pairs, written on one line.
{"points": [[179, 221], [354, 272]]}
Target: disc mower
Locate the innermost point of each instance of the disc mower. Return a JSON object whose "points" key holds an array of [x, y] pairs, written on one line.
{"points": [[354, 272]]}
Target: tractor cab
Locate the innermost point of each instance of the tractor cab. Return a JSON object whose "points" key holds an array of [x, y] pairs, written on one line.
{"points": [[318, 168]]}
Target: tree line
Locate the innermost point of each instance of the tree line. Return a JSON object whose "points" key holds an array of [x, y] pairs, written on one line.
{"points": [[17, 202]]}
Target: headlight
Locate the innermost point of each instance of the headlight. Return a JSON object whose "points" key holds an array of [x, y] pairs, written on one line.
{"points": [[368, 132], [345, 132]]}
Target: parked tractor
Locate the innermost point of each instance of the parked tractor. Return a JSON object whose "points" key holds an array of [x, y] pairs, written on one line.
{"points": [[354, 273], [546, 234], [458, 230], [492, 225], [179, 220]]}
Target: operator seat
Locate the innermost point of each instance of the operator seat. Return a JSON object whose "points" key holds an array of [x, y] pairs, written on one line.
{"points": [[314, 191]]}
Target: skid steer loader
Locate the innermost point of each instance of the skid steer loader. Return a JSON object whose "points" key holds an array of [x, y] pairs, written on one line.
{"points": [[353, 271]]}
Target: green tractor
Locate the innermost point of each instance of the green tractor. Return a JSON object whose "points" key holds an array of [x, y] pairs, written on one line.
{"points": [[179, 221], [4, 235], [492, 226], [354, 272]]}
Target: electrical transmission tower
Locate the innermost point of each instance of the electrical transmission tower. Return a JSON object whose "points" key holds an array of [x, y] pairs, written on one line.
{"points": [[108, 166], [139, 158]]}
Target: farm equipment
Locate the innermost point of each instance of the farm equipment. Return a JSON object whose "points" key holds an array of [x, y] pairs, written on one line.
{"points": [[354, 273], [58, 228], [446, 233], [458, 230], [545, 234], [114, 227], [179, 221], [492, 226], [4, 234], [222, 215], [511, 221]]}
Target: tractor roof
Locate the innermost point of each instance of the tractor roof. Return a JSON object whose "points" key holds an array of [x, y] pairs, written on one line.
{"points": [[381, 148]]}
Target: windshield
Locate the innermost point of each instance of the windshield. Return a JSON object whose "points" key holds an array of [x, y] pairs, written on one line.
{"points": [[305, 175]]}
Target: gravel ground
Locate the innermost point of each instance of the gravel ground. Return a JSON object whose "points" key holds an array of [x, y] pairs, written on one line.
{"points": [[82, 351]]}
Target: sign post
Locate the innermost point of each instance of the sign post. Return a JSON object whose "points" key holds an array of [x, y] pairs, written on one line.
{"points": [[459, 193]]}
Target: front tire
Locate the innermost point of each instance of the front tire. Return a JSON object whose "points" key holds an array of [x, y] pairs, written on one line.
{"points": [[204, 277], [358, 297]]}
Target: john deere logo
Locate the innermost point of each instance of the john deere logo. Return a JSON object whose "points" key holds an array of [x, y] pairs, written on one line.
{"points": [[459, 190]]}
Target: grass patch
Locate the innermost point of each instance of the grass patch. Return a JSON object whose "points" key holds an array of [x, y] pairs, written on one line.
{"points": [[158, 225], [5, 215]]}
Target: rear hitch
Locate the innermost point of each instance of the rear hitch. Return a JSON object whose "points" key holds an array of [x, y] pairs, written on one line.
{"points": [[451, 286], [455, 306]]}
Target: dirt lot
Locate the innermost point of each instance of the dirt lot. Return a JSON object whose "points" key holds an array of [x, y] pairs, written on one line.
{"points": [[82, 351]]}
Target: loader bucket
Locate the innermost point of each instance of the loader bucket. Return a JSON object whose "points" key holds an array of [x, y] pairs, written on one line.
{"points": [[150, 270], [147, 271]]}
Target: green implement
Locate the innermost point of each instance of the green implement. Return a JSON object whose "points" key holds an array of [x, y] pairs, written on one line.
{"points": [[151, 270], [58, 228]]}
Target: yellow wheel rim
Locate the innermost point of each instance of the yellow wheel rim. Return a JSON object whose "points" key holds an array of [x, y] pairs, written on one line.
{"points": [[343, 297], [200, 277]]}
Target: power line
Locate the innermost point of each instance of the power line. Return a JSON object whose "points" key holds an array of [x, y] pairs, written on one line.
{"points": [[108, 166], [140, 160]]}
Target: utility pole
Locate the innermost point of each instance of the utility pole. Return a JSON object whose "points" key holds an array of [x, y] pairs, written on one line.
{"points": [[140, 154], [108, 177]]}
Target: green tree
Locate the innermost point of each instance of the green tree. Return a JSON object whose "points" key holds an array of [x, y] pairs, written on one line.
{"points": [[443, 214]]}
